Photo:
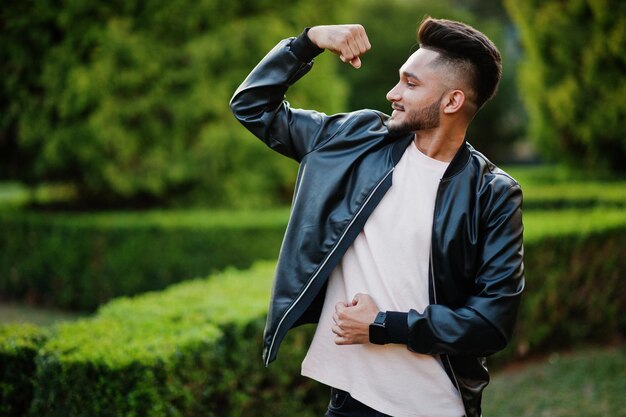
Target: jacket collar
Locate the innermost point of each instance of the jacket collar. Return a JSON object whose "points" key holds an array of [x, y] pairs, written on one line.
{"points": [[458, 162], [399, 146]]}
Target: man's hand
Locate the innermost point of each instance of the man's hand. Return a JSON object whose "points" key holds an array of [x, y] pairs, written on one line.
{"points": [[347, 41], [352, 320]]}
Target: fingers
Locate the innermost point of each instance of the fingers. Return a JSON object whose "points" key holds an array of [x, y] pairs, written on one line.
{"points": [[347, 41], [355, 62], [349, 326], [342, 337], [336, 329], [360, 298], [355, 44]]}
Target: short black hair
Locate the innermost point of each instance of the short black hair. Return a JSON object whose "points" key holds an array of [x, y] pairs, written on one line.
{"points": [[460, 45]]}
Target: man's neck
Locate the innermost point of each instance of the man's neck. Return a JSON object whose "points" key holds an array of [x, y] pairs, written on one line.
{"points": [[439, 144]]}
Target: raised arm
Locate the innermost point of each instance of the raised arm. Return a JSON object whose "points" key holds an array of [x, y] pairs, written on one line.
{"points": [[259, 102]]}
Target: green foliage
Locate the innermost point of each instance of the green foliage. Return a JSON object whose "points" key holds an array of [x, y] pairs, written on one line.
{"points": [[192, 350], [574, 280], [557, 187], [576, 194], [19, 345], [540, 225], [496, 126], [572, 79], [13, 195], [79, 261], [129, 100]]}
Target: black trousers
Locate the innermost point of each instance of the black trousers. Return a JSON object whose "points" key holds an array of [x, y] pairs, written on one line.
{"points": [[343, 405]]}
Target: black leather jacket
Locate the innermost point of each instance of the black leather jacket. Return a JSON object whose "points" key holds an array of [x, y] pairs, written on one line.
{"points": [[346, 164]]}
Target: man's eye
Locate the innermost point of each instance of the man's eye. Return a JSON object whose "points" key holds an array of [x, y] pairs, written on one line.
{"points": [[410, 84]]}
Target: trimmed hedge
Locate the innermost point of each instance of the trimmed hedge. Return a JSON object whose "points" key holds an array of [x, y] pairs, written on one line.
{"points": [[575, 293], [555, 187], [574, 195], [79, 261], [18, 348], [575, 274], [194, 349]]}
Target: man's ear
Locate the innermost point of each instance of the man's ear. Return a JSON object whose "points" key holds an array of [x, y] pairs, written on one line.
{"points": [[454, 101]]}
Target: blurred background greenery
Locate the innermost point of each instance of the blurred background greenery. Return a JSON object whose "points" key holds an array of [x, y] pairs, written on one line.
{"points": [[124, 104], [122, 172]]}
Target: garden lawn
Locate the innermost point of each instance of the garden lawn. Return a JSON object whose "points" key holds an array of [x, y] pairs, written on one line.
{"points": [[586, 383]]}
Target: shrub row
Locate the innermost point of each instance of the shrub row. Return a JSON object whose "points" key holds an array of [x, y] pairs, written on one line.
{"points": [[18, 348], [79, 261], [575, 273], [194, 349], [556, 187], [574, 195]]}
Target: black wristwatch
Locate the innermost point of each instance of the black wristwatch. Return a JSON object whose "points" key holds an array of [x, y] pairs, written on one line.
{"points": [[378, 330]]}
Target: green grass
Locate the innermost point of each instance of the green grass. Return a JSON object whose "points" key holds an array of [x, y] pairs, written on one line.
{"points": [[586, 383]]}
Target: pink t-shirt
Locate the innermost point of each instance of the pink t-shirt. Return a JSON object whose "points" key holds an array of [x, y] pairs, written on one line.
{"points": [[389, 261]]}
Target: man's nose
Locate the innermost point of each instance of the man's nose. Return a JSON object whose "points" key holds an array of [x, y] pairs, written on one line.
{"points": [[393, 94]]}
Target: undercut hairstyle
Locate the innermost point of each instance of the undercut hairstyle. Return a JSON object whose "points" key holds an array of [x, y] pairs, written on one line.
{"points": [[467, 52]]}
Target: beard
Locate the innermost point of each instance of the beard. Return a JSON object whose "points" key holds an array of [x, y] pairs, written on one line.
{"points": [[422, 119]]}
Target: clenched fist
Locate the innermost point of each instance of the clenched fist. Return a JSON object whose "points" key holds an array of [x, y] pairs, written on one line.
{"points": [[352, 320], [347, 41]]}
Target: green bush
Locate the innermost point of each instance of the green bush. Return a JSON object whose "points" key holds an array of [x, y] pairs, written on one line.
{"points": [[575, 271], [192, 350], [19, 345], [557, 187], [575, 195], [79, 261]]}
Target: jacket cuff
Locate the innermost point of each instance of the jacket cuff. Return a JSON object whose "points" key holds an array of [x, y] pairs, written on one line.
{"points": [[303, 48], [397, 327]]}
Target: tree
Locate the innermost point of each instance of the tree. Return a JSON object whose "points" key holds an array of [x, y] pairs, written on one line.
{"points": [[572, 79], [128, 100]]}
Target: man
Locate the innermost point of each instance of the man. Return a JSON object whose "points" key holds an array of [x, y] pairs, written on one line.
{"points": [[404, 243]]}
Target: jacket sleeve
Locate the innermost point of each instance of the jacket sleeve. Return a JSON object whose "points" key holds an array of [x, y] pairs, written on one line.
{"points": [[484, 324], [259, 102]]}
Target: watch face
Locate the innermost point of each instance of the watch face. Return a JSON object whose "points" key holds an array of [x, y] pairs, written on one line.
{"points": [[378, 334], [380, 318]]}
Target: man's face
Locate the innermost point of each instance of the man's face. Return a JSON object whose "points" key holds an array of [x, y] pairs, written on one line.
{"points": [[417, 98]]}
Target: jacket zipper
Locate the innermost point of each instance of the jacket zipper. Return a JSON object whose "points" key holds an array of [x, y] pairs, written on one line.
{"points": [[321, 266]]}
